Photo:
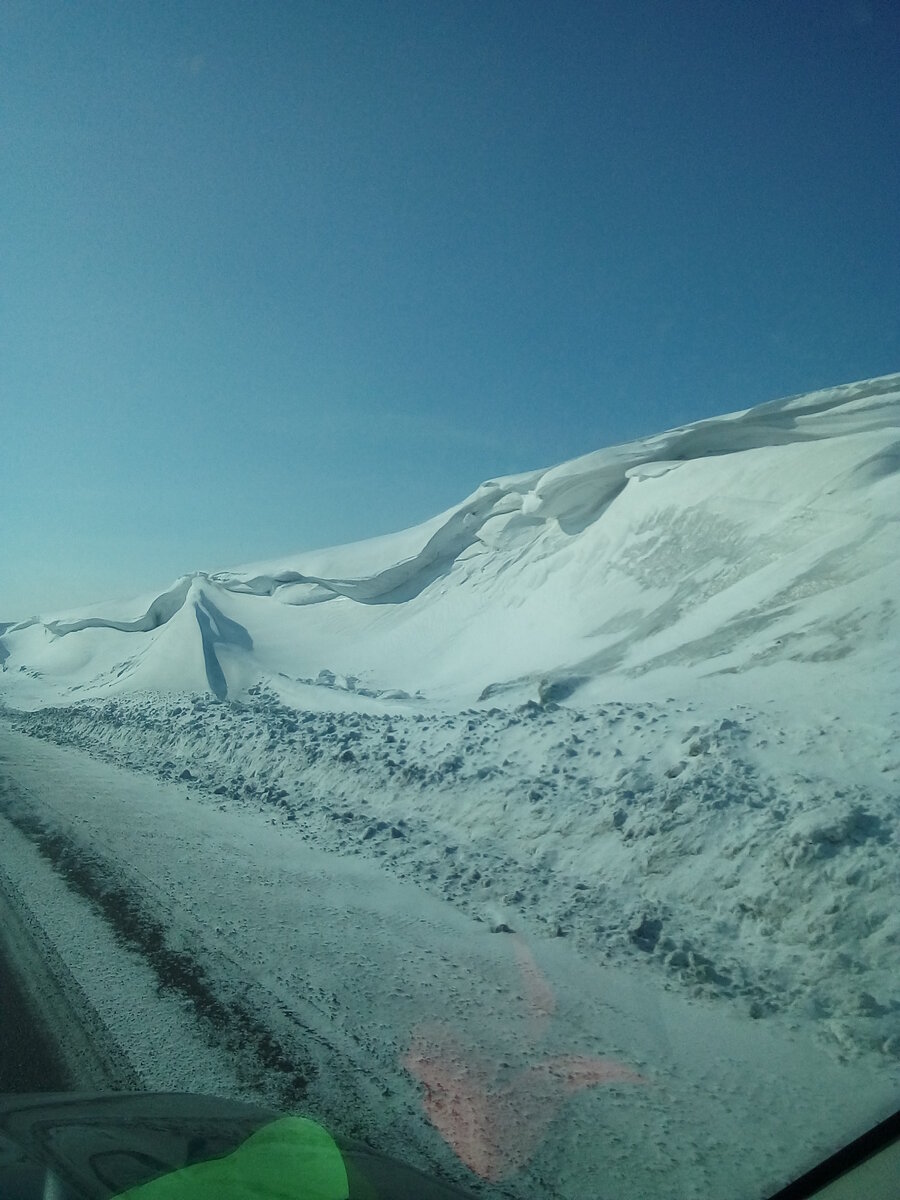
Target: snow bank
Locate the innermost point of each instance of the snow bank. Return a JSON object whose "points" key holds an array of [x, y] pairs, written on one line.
{"points": [[732, 857], [638, 711], [223, 943], [762, 537]]}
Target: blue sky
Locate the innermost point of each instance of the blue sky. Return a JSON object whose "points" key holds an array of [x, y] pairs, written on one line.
{"points": [[281, 275]]}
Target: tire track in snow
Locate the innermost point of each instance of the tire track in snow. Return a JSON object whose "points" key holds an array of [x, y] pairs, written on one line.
{"points": [[90, 1054]]}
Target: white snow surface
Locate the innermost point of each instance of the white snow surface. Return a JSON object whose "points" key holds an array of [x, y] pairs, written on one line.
{"points": [[759, 538], [601, 762]]}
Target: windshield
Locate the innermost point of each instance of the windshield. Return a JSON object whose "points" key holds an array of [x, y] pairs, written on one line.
{"points": [[448, 614]]}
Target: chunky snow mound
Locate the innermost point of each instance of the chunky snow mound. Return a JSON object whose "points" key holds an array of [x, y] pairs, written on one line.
{"points": [[761, 541]]}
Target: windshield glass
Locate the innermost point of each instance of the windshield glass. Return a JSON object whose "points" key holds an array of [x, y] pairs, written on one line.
{"points": [[447, 698]]}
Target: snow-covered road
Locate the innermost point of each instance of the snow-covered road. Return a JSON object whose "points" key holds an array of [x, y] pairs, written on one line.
{"points": [[225, 952], [29, 1061]]}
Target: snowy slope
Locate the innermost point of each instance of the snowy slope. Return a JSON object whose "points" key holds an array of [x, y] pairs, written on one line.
{"points": [[639, 709], [758, 540]]}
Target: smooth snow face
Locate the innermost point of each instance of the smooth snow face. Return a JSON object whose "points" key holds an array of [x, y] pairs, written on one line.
{"points": [[759, 539]]}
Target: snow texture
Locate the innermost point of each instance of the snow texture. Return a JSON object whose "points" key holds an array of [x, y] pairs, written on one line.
{"points": [[586, 792]]}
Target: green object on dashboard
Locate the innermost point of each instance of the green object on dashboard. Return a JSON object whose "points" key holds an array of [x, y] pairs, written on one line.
{"points": [[291, 1159]]}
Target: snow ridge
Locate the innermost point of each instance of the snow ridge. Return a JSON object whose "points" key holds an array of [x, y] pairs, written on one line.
{"points": [[723, 546]]}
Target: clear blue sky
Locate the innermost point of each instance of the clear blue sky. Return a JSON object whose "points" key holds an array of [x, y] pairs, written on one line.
{"points": [[278, 275]]}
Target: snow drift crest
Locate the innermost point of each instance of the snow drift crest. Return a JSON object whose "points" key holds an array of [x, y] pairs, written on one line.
{"points": [[761, 537]]}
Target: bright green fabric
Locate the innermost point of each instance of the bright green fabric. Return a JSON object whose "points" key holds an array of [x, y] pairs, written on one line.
{"points": [[291, 1159]]}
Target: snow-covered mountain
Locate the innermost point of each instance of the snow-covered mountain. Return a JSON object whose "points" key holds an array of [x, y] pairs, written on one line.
{"points": [[748, 544]]}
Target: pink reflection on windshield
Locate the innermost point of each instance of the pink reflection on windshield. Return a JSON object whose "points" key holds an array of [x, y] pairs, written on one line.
{"points": [[494, 1119]]}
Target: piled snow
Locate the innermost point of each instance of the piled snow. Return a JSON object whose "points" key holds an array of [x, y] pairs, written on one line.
{"points": [[760, 538], [639, 709], [745, 857], [250, 959]]}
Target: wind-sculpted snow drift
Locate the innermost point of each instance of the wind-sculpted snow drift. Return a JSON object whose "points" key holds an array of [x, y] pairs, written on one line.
{"points": [[638, 711], [763, 537]]}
